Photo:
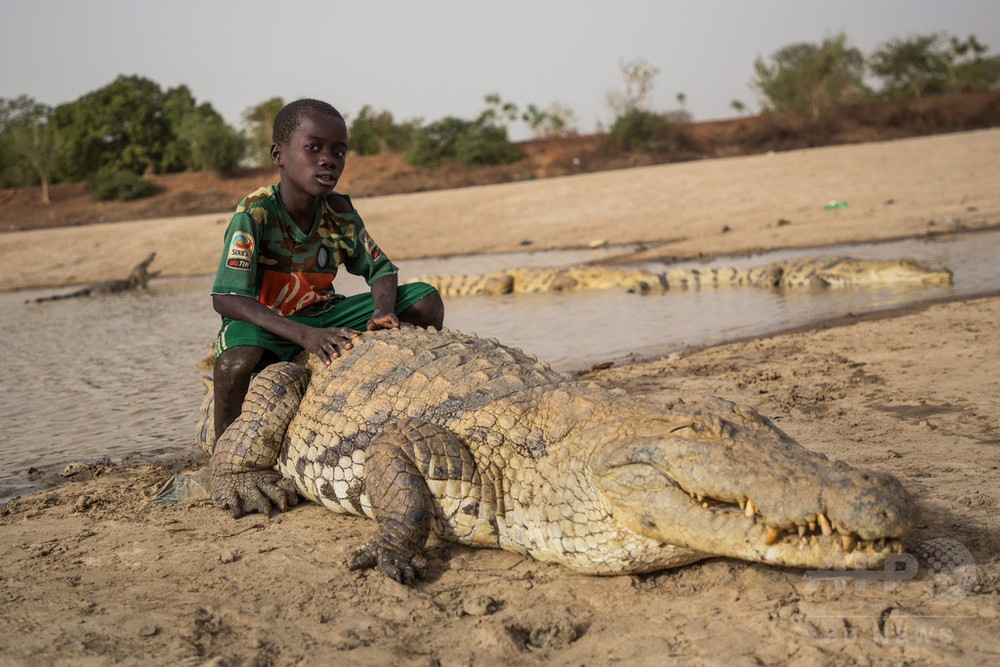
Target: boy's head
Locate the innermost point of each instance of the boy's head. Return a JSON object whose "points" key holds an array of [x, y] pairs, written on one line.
{"points": [[290, 115], [310, 149]]}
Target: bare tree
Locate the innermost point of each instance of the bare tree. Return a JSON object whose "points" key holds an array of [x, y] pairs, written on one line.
{"points": [[638, 76]]}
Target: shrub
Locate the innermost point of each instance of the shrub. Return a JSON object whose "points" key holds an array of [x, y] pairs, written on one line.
{"points": [[638, 129], [465, 141], [118, 184]]}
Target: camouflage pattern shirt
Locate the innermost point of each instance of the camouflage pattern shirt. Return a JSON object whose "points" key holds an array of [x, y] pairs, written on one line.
{"points": [[267, 257]]}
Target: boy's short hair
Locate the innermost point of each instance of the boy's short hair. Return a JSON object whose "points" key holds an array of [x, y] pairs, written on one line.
{"points": [[290, 115]]}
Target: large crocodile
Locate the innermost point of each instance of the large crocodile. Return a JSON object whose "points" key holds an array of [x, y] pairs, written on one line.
{"points": [[486, 446], [783, 274]]}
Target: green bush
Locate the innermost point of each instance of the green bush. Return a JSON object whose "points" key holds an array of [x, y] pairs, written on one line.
{"points": [[484, 144], [372, 132], [118, 184], [465, 141], [639, 130], [214, 144]]}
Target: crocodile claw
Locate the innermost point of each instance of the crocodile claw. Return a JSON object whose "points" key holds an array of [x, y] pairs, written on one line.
{"points": [[406, 569], [253, 491]]}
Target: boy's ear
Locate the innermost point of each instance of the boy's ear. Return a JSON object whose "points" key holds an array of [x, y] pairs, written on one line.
{"points": [[276, 155]]}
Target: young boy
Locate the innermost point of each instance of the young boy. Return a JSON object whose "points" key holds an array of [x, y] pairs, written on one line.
{"points": [[274, 285]]}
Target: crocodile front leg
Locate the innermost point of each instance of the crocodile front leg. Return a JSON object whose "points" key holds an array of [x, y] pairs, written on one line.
{"points": [[415, 472], [243, 474]]}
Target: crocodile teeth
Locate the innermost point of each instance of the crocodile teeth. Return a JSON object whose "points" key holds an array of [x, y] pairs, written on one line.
{"points": [[824, 524], [802, 530], [750, 510], [773, 535], [848, 542]]}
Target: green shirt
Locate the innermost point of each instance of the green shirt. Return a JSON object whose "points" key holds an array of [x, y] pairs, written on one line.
{"points": [[267, 257]]}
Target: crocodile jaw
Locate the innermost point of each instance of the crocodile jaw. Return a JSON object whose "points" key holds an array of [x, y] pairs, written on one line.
{"points": [[749, 492]]}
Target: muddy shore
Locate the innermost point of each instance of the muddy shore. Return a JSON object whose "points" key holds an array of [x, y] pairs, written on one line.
{"points": [[94, 572]]}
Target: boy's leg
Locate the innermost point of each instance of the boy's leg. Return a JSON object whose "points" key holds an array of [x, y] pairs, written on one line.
{"points": [[232, 373], [416, 303], [428, 312], [242, 349]]}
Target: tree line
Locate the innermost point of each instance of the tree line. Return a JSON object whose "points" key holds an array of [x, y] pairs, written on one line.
{"points": [[131, 127]]}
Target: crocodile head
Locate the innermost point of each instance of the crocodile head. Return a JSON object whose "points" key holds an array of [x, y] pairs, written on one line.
{"points": [[722, 480]]}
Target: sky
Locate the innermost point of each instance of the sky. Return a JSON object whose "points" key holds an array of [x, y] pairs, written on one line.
{"points": [[429, 59]]}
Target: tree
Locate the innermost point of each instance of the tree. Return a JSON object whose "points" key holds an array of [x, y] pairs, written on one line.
{"points": [[912, 67], [121, 126], [738, 106], [481, 141], [213, 144], [177, 105], [810, 77], [259, 121], [373, 132], [556, 121], [27, 133], [970, 71], [638, 76]]}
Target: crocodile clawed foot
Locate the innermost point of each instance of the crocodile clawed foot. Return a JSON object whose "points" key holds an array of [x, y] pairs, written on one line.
{"points": [[253, 491], [403, 567]]}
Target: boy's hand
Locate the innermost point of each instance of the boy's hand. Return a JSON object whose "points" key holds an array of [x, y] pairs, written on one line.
{"points": [[386, 321], [328, 343]]}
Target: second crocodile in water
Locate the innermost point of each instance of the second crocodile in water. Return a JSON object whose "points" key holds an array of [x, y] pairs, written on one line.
{"points": [[483, 445]]}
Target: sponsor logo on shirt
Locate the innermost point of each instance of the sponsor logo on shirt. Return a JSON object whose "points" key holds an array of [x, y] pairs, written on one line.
{"points": [[373, 250], [240, 251], [291, 292]]}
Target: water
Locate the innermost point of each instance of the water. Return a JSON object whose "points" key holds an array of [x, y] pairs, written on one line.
{"points": [[116, 375]]}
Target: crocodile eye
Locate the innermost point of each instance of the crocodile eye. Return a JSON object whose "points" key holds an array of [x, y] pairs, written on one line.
{"points": [[697, 428]]}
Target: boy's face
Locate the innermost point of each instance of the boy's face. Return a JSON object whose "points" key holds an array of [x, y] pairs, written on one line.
{"points": [[313, 159]]}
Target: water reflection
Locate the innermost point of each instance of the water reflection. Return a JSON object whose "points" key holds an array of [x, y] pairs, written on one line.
{"points": [[115, 375]]}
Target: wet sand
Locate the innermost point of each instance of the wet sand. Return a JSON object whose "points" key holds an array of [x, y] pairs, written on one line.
{"points": [[94, 572]]}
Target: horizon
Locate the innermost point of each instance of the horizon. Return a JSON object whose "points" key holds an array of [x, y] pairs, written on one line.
{"points": [[442, 59]]}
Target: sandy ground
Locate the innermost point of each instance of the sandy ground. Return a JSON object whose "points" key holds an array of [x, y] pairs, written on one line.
{"points": [[94, 572]]}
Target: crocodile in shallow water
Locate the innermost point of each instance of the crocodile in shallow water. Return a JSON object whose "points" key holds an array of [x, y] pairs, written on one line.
{"points": [[483, 445], [138, 278], [784, 274]]}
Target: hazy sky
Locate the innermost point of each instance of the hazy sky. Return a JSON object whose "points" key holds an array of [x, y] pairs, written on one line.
{"points": [[430, 59]]}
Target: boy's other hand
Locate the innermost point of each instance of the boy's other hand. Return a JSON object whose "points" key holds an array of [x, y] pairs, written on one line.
{"points": [[328, 343], [386, 321]]}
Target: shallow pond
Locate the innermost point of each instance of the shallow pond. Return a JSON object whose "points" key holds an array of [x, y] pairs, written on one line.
{"points": [[116, 376]]}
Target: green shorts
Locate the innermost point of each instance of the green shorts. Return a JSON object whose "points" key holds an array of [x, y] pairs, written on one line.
{"points": [[351, 313]]}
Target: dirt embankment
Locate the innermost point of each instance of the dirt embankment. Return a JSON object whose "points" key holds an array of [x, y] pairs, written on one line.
{"points": [[384, 174]]}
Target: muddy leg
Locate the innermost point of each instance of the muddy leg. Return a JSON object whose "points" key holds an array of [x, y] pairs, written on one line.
{"points": [[232, 373]]}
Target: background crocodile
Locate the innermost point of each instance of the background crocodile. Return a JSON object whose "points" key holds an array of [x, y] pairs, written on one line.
{"points": [[445, 432], [138, 277], [789, 273]]}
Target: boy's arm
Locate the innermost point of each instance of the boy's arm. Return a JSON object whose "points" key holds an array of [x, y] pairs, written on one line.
{"points": [[384, 300], [324, 343]]}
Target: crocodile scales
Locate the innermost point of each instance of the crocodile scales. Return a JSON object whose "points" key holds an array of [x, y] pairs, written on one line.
{"points": [[483, 445], [783, 274]]}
